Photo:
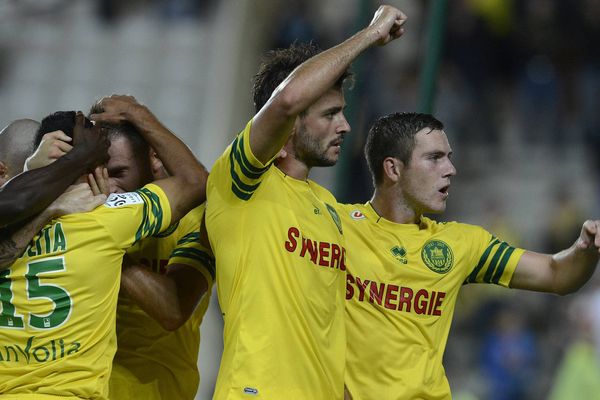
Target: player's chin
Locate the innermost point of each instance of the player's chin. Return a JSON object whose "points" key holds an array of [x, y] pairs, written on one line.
{"points": [[438, 207], [329, 160], [335, 153]]}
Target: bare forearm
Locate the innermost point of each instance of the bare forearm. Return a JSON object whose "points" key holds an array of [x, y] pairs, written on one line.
{"points": [[169, 299], [573, 268], [177, 158], [14, 242], [315, 76], [31, 192], [154, 293]]}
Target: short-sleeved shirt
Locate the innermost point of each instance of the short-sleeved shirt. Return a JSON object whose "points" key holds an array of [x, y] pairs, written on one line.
{"points": [[401, 289], [280, 257], [57, 327], [152, 363]]}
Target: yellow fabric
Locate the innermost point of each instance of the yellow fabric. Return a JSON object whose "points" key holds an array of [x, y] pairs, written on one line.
{"points": [[280, 280], [401, 290], [152, 363], [67, 342]]}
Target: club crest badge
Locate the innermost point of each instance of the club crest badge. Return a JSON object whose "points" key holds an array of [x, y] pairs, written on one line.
{"points": [[438, 256]]}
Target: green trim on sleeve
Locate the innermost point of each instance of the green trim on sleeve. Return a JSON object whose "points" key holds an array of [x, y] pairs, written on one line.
{"points": [[502, 266], [152, 216], [196, 255], [492, 266], [472, 278], [246, 166]]}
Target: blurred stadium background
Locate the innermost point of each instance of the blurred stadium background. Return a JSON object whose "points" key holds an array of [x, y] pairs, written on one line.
{"points": [[518, 88]]}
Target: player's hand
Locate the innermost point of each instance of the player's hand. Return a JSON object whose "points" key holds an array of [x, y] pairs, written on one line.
{"points": [[90, 143], [77, 198], [589, 238], [388, 24], [120, 108], [98, 181], [53, 146]]}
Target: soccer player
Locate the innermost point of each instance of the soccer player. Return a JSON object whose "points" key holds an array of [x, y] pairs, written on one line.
{"points": [[176, 268], [29, 193], [59, 300], [165, 287], [15, 146], [405, 270], [275, 234]]}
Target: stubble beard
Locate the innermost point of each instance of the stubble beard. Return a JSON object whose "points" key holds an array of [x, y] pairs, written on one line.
{"points": [[309, 151]]}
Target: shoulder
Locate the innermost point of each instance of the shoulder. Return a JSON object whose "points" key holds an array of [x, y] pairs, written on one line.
{"points": [[352, 212], [452, 226], [322, 193]]}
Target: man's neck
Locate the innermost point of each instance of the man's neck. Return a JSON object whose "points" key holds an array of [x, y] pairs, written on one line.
{"points": [[393, 208], [293, 167]]}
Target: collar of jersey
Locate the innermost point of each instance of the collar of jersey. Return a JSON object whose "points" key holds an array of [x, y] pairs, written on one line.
{"points": [[372, 215], [305, 183]]}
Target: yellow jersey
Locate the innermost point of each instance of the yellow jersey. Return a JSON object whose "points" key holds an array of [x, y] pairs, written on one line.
{"points": [[152, 363], [280, 257], [401, 289], [57, 326]]}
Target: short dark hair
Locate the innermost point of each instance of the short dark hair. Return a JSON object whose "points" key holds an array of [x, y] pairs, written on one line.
{"points": [[58, 121], [124, 130], [394, 136], [277, 64]]}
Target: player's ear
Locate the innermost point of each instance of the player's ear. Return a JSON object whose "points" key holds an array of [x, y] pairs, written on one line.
{"points": [[155, 162], [3, 173], [392, 168]]}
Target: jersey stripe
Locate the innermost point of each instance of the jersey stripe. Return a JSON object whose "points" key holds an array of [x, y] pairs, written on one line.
{"points": [[492, 266], [149, 226], [197, 255], [246, 167], [473, 276]]}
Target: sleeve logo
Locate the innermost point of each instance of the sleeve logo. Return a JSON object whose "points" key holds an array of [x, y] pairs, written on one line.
{"points": [[438, 257], [116, 200]]}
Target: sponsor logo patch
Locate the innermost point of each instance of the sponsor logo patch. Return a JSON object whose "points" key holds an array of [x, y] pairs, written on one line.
{"points": [[438, 256], [250, 390], [356, 214], [116, 200], [399, 254]]}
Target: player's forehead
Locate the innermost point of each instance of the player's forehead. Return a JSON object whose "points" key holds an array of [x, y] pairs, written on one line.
{"points": [[120, 147], [427, 140], [333, 98]]}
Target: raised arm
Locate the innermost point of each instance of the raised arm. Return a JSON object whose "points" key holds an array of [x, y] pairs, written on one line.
{"points": [[186, 187], [564, 272], [29, 193], [273, 124]]}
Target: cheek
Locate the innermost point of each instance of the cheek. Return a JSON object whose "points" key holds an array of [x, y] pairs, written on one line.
{"points": [[113, 186]]}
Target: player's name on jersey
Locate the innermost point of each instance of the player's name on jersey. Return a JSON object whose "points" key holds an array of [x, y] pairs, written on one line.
{"points": [[49, 240], [34, 351], [325, 254], [395, 297]]}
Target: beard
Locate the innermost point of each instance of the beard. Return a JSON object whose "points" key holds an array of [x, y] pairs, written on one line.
{"points": [[310, 150]]}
